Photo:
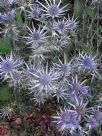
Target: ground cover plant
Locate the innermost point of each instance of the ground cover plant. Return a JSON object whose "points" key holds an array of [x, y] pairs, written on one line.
{"points": [[50, 68]]}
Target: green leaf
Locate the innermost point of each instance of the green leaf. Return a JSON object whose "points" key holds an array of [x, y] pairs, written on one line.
{"points": [[5, 94], [78, 8], [18, 16], [5, 45]]}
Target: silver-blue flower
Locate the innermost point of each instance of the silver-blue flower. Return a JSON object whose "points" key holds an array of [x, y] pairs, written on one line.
{"points": [[36, 37], [44, 79], [52, 9], [34, 12], [87, 62], [66, 120], [78, 88], [9, 65]]}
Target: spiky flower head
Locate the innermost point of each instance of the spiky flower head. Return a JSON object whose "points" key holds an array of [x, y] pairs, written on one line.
{"points": [[60, 25], [63, 67], [6, 3], [80, 107], [87, 62], [72, 23], [6, 112], [95, 119], [9, 65], [97, 114], [78, 88], [66, 120], [39, 98], [10, 15], [34, 12], [92, 123], [60, 93], [52, 9], [44, 79], [65, 25], [36, 37], [60, 42]]}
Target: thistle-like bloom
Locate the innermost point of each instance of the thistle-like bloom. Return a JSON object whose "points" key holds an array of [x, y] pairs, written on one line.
{"points": [[60, 42], [44, 80], [6, 3], [66, 120], [10, 15], [9, 65], [52, 9], [39, 98], [97, 114], [63, 67], [78, 88], [6, 112], [34, 12], [60, 93], [80, 107], [92, 123], [95, 119], [60, 26], [36, 37], [87, 62], [65, 25]]}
